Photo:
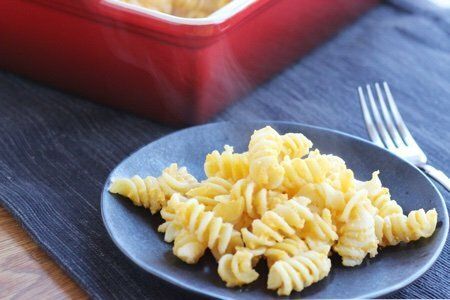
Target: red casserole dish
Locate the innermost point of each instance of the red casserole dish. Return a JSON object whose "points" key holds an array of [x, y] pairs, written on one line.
{"points": [[171, 69]]}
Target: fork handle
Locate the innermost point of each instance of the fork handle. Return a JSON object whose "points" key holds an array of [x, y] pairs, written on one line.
{"points": [[437, 175]]}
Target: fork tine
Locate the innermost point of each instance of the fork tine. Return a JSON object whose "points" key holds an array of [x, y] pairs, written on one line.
{"points": [[380, 125], [404, 132], [373, 134], [387, 118]]}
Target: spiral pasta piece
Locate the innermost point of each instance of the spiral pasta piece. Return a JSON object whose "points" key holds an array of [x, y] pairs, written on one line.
{"points": [[188, 248], [380, 196], [323, 195], [244, 222], [170, 227], [237, 269], [336, 164], [207, 191], [337, 175], [357, 236], [151, 192], [218, 235], [255, 201], [400, 228], [263, 152], [295, 145], [234, 244], [289, 247], [298, 272], [299, 171], [227, 165], [343, 181], [319, 233], [282, 221], [351, 202]]}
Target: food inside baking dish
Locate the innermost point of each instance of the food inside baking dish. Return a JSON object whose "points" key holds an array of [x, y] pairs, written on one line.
{"points": [[182, 8]]}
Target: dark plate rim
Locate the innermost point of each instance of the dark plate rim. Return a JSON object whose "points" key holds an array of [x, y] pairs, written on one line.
{"points": [[376, 294]]}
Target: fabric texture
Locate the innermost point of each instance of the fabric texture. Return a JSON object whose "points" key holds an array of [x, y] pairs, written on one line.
{"points": [[57, 150]]}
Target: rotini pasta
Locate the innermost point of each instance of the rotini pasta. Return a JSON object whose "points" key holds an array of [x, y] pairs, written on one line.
{"points": [[263, 152], [170, 228], [227, 165], [151, 192], [207, 191], [283, 221], [380, 196], [299, 272], [237, 269], [209, 229], [254, 201], [400, 228], [319, 232], [357, 236], [295, 145], [230, 210], [323, 195], [299, 171], [280, 202], [288, 247], [188, 248]]}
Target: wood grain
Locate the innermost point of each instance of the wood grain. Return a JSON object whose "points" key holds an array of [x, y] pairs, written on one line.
{"points": [[26, 271]]}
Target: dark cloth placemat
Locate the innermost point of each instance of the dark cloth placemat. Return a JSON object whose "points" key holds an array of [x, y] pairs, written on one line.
{"points": [[56, 150]]}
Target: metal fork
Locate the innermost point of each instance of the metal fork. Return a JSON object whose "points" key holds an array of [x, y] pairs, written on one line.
{"points": [[391, 132]]}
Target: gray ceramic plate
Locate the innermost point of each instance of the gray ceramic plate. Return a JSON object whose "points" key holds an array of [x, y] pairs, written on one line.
{"points": [[133, 229]]}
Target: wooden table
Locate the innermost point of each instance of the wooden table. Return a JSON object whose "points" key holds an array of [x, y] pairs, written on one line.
{"points": [[26, 271]]}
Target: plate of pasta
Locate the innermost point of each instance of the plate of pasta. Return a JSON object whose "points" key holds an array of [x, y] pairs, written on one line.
{"points": [[260, 209]]}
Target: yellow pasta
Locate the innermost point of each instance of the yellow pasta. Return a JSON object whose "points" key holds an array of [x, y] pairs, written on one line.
{"points": [[255, 201], [298, 272], [357, 236], [151, 192], [227, 165], [299, 171], [207, 191], [283, 221], [323, 195], [188, 248], [380, 196], [237, 269], [182, 8], [288, 247], [400, 228], [209, 229], [196, 8], [164, 6], [263, 152], [343, 181], [171, 228], [279, 201], [319, 232], [295, 145]]}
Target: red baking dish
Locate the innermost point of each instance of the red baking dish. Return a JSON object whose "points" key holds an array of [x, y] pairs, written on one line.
{"points": [[171, 69]]}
